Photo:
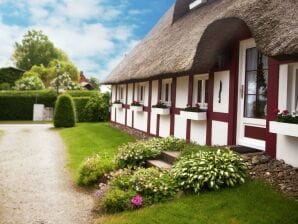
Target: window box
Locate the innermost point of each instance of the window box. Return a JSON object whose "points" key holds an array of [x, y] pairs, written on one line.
{"points": [[161, 111], [283, 128], [136, 108], [196, 116], [118, 105]]}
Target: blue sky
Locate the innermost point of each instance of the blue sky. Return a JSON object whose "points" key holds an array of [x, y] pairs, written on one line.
{"points": [[96, 34]]}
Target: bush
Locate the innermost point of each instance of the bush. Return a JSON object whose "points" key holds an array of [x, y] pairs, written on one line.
{"points": [[18, 105], [209, 170], [93, 169], [5, 86], [29, 83], [10, 75], [117, 200], [97, 108], [135, 154], [121, 179], [154, 185], [80, 104], [64, 115]]}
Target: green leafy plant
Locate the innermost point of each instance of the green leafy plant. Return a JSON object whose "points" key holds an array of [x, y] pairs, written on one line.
{"points": [[135, 154], [197, 108], [285, 117], [64, 114], [154, 185], [167, 144], [160, 104], [117, 200], [121, 179], [93, 169], [209, 170], [29, 83]]}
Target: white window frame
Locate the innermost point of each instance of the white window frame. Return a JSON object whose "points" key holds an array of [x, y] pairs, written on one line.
{"points": [[119, 97], [163, 92], [203, 103], [139, 87]]}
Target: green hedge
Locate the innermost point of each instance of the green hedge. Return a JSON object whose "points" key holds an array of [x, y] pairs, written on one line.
{"points": [[82, 93], [18, 105], [80, 103]]}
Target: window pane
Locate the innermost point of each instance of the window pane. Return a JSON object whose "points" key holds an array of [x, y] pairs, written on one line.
{"points": [[251, 59], [262, 107], [199, 95], [263, 82], [206, 91], [250, 106], [251, 82], [167, 92]]}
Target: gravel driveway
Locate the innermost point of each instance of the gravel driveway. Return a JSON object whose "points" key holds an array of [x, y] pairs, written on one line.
{"points": [[35, 186]]}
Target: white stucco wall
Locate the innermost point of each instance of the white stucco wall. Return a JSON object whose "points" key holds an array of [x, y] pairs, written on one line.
{"points": [[140, 121], [286, 147], [164, 126], [219, 133], [198, 132], [182, 92], [180, 127], [223, 106]]}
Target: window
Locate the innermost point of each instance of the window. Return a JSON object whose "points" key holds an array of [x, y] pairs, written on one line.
{"points": [[121, 94], [141, 93], [166, 92], [200, 89], [196, 3], [292, 102], [256, 80]]}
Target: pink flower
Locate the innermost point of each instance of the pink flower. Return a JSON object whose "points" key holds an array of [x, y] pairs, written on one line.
{"points": [[285, 112], [198, 105], [137, 200]]}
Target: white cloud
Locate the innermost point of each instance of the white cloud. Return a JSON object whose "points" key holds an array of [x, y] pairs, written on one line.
{"points": [[76, 26]]}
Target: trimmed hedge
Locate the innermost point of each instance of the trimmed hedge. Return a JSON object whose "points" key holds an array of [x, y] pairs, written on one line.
{"points": [[18, 105], [80, 104], [82, 93], [65, 114]]}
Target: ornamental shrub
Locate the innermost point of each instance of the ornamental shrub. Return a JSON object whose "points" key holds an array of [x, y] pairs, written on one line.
{"points": [[97, 108], [117, 200], [64, 114], [135, 154], [209, 170], [29, 83], [18, 105], [80, 104], [154, 185], [93, 169]]}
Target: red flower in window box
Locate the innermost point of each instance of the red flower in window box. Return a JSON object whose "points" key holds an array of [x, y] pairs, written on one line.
{"points": [[198, 105], [285, 112]]}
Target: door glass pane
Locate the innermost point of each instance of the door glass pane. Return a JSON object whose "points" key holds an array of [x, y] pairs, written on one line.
{"points": [[251, 82], [262, 107], [251, 59], [250, 106], [263, 81]]}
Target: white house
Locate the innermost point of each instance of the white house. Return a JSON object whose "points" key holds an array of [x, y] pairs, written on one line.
{"points": [[237, 58]]}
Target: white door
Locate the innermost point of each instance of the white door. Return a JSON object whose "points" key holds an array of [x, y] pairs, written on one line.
{"points": [[252, 96]]}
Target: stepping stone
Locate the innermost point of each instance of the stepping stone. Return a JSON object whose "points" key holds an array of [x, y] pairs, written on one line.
{"points": [[159, 164], [170, 156]]}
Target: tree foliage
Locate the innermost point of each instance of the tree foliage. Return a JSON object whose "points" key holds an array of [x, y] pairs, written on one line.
{"points": [[94, 82], [64, 115]]}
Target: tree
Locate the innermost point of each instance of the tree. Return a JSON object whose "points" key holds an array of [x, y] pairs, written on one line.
{"points": [[65, 67], [36, 49], [64, 114], [95, 83]]}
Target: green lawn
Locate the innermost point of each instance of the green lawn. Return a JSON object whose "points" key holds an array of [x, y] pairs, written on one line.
{"points": [[253, 202], [89, 138]]}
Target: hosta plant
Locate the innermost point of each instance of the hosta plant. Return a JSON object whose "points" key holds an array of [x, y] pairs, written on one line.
{"points": [[167, 144], [209, 170]]}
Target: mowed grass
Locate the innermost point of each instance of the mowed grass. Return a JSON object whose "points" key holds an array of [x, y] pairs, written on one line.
{"points": [[87, 139], [251, 203]]}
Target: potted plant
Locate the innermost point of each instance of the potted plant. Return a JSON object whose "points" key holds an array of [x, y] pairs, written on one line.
{"points": [[285, 124], [161, 108], [194, 113], [136, 106], [117, 104]]}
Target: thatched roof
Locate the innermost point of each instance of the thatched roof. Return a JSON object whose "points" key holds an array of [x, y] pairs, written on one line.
{"points": [[190, 43]]}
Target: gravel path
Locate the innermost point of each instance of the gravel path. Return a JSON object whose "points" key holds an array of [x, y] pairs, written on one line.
{"points": [[35, 186]]}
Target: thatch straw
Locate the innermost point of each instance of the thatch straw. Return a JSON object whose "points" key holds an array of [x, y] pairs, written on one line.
{"points": [[190, 43]]}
